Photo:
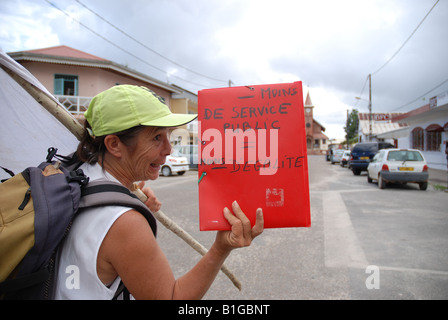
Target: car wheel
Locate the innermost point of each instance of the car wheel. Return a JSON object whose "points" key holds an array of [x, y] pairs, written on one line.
{"points": [[356, 172], [381, 182], [423, 185], [166, 171], [368, 178], [181, 173]]}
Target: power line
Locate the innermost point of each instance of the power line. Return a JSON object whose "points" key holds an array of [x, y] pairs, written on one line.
{"points": [[399, 49], [404, 43], [118, 47], [439, 85], [362, 90], [145, 46]]}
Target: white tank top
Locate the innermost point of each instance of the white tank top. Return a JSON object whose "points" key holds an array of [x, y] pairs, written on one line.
{"points": [[76, 274]]}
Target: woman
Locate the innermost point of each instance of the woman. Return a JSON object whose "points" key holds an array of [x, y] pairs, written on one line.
{"points": [[127, 140]]}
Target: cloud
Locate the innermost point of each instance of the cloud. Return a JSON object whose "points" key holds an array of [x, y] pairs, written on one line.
{"points": [[331, 46], [25, 27]]}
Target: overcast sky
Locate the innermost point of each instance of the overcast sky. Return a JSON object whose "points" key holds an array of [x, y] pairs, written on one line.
{"points": [[332, 46]]}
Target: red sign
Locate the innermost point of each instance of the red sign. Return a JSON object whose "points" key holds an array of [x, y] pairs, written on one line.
{"points": [[253, 150], [381, 117]]}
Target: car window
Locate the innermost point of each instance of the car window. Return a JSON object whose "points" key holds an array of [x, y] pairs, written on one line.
{"points": [[367, 147], [404, 155], [385, 145], [377, 157]]}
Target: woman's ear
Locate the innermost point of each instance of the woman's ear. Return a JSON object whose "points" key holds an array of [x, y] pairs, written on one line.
{"points": [[113, 145]]}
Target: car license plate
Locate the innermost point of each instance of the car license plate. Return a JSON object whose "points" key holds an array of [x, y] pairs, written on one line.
{"points": [[364, 158], [406, 169]]}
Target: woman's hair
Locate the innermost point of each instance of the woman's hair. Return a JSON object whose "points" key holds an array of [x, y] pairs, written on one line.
{"points": [[91, 149]]}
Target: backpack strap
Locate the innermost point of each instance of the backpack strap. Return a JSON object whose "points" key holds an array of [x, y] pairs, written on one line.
{"points": [[103, 193]]}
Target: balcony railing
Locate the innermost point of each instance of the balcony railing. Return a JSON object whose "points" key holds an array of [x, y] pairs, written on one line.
{"points": [[76, 105]]}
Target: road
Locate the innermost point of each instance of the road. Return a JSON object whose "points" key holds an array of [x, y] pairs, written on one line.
{"points": [[364, 243]]}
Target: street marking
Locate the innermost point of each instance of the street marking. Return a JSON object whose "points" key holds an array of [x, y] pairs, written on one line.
{"points": [[345, 190], [401, 269], [342, 247], [424, 271]]}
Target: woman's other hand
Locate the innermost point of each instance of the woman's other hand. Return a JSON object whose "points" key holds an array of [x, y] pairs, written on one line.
{"points": [[241, 234]]}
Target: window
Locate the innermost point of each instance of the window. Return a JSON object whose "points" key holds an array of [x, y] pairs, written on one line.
{"points": [[404, 155], [417, 137], [433, 137], [66, 85]]}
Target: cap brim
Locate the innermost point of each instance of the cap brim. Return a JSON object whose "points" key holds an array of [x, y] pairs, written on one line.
{"points": [[171, 120]]}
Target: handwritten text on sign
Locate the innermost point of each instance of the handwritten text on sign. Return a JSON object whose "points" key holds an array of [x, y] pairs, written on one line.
{"points": [[248, 126]]}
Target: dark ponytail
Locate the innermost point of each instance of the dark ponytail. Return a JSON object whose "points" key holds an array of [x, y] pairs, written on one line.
{"points": [[91, 149]]}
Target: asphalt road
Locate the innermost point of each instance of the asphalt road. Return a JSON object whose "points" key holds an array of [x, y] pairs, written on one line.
{"points": [[363, 243]]}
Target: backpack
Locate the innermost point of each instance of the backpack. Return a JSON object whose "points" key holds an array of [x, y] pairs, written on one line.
{"points": [[37, 208]]}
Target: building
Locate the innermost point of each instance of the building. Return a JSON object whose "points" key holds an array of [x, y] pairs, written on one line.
{"points": [[380, 124], [316, 141], [426, 130], [186, 102], [75, 77]]}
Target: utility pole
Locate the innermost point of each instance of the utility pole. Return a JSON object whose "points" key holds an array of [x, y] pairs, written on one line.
{"points": [[230, 83], [370, 107]]}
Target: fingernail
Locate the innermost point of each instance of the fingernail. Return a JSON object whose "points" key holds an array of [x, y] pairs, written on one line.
{"points": [[235, 204], [226, 210]]}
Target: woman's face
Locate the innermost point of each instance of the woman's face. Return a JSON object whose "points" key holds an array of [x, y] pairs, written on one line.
{"points": [[149, 153]]}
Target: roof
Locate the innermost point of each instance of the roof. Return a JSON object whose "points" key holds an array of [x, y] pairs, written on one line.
{"points": [[381, 123], [319, 135], [424, 113], [66, 52], [69, 56], [308, 102], [322, 128]]}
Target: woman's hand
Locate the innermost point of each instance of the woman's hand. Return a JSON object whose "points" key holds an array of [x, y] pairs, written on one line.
{"points": [[152, 202], [241, 234]]}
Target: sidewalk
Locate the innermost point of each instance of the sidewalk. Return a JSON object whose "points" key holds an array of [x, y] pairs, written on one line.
{"points": [[439, 177]]}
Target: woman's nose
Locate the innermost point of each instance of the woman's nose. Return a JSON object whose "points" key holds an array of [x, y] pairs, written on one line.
{"points": [[167, 145]]}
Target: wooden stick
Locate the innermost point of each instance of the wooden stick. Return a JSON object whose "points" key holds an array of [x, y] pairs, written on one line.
{"points": [[66, 118]]}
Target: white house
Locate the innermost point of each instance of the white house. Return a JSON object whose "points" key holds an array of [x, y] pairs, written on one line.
{"points": [[427, 131]]}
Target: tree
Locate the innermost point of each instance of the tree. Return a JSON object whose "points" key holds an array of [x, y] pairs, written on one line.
{"points": [[351, 126]]}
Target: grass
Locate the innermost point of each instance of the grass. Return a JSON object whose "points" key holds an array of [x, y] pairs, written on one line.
{"points": [[439, 187]]}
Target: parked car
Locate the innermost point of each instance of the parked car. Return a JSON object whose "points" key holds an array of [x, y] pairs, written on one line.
{"points": [[363, 152], [189, 151], [174, 164], [345, 158], [398, 166], [336, 156]]}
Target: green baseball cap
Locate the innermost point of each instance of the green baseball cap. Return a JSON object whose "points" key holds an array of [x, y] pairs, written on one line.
{"points": [[125, 106]]}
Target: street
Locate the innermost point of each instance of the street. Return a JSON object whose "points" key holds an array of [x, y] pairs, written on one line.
{"points": [[363, 243]]}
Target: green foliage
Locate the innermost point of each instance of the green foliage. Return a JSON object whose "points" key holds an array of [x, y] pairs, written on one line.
{"points": [[351, 125]]}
